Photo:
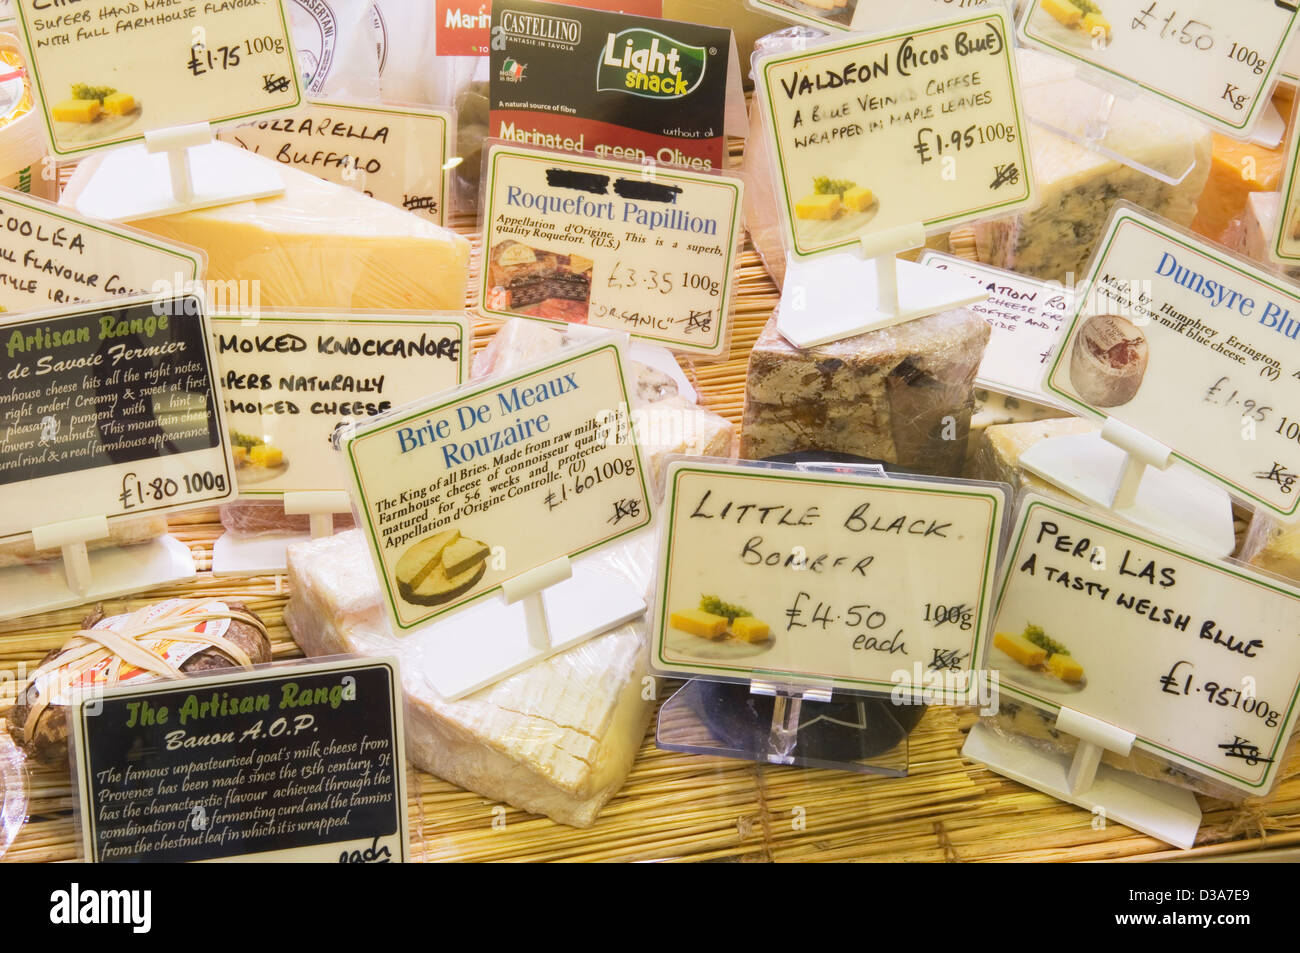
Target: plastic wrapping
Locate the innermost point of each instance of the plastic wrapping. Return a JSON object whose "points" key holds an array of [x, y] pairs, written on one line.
{"points": [[902, 394], [557, 738], [335, 42], [1272, 546], [249, 518], [13, 790], [22, 138], [318, 245], [120, 533], [39, 723], [1254, 234], [1033, 726], [993, 409], [665, 421], [1078, 187]]}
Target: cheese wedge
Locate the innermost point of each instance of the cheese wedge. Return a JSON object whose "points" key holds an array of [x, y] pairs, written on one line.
{"points": [[859, 198], [76, 110], [463, 555], [698, 622], [119, 104], [823, 207], [1236, 170], [557, 738], [264, 456], [319, 245], [422, 558], [438, 587], [750, 629], [1065, 668], [1020, 649]]}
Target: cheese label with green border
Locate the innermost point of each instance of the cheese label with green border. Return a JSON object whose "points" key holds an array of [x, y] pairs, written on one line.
{"points": [[817, 576], [649, 250], [1195, 348], [290, 379], [461, 492], [1286, 230], [1216, 60], [50, 256], [1199, 658], [871, 133], [397, 154], [207, 61]]}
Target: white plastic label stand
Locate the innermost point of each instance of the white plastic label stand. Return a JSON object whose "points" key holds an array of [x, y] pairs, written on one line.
{"points": [[838, 296], [1153, 807], [86, 576], [540, 613], [174, 170], [1123, 470], [268, 552]]}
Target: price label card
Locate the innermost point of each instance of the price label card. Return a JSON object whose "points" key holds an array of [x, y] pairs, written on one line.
{"points": [[1212, 59], [109, 409], [1197, 657], [865, 16], [1025, 315], [208, 61], [875, 132], [287, 763], [1286, 230], [460, 493], [291, 379], [51, 256], [1195, 348], [869, 582], [395, 154], [612, 244]]}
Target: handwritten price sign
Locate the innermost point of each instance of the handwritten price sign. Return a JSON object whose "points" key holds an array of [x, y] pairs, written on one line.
{"points": [[1215, 60]]}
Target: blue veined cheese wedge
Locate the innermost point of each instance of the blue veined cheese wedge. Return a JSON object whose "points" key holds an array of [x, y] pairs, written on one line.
{"points": [[1078, 187]]}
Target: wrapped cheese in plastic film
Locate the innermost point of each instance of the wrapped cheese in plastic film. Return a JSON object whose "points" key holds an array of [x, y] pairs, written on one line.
{"points": [[1272, 546], [318, 245], [557, 738], [22, 139], [120, 533], [903, 394], [335, 43]]}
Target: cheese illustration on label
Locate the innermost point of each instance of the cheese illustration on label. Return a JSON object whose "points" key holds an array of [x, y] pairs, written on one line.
{"points": [[1108, 360], [818, 206], [1020, 649], [76, 110], [1036, 650], [118, 104], [698, 622], [440, 567]]}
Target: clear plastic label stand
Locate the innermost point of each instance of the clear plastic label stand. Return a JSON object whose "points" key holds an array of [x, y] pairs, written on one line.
{"points": [[1161, 810], [174, 170], [84, 576], [264, 553], [1123, 470], [539, 613], [1115, 123], [838, 296], [776, 723]]}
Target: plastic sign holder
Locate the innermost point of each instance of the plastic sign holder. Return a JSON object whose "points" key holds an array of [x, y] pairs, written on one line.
{"points": [[1164, 811], [838, 296], [540, 613], [86, 576], [808, 727], [177, 169], [268, 552], [1125, 471]]}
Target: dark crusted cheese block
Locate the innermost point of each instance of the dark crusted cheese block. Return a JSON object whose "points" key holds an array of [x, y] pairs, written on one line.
{"points": [[902, 394]]}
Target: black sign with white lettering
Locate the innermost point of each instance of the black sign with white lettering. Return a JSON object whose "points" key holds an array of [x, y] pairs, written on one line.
{"points": [[286, 764]]}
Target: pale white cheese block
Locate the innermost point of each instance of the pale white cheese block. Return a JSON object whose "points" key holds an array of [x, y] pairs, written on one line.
{"points": [[556, 739]]}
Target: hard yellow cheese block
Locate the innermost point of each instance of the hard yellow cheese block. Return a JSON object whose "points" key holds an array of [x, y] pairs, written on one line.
{"points": [[320, 245], [76, 110], [698, 622], [858, 198], [1020, 649], [1065, 667], [750, 629], [119, 104], [818, 206]]}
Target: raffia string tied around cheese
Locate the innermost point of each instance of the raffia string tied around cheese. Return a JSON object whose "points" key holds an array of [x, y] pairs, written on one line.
{"points": [[127, 640]]}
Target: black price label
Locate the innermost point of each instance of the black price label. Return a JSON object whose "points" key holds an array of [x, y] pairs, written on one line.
{"points": [[305, 763]]}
